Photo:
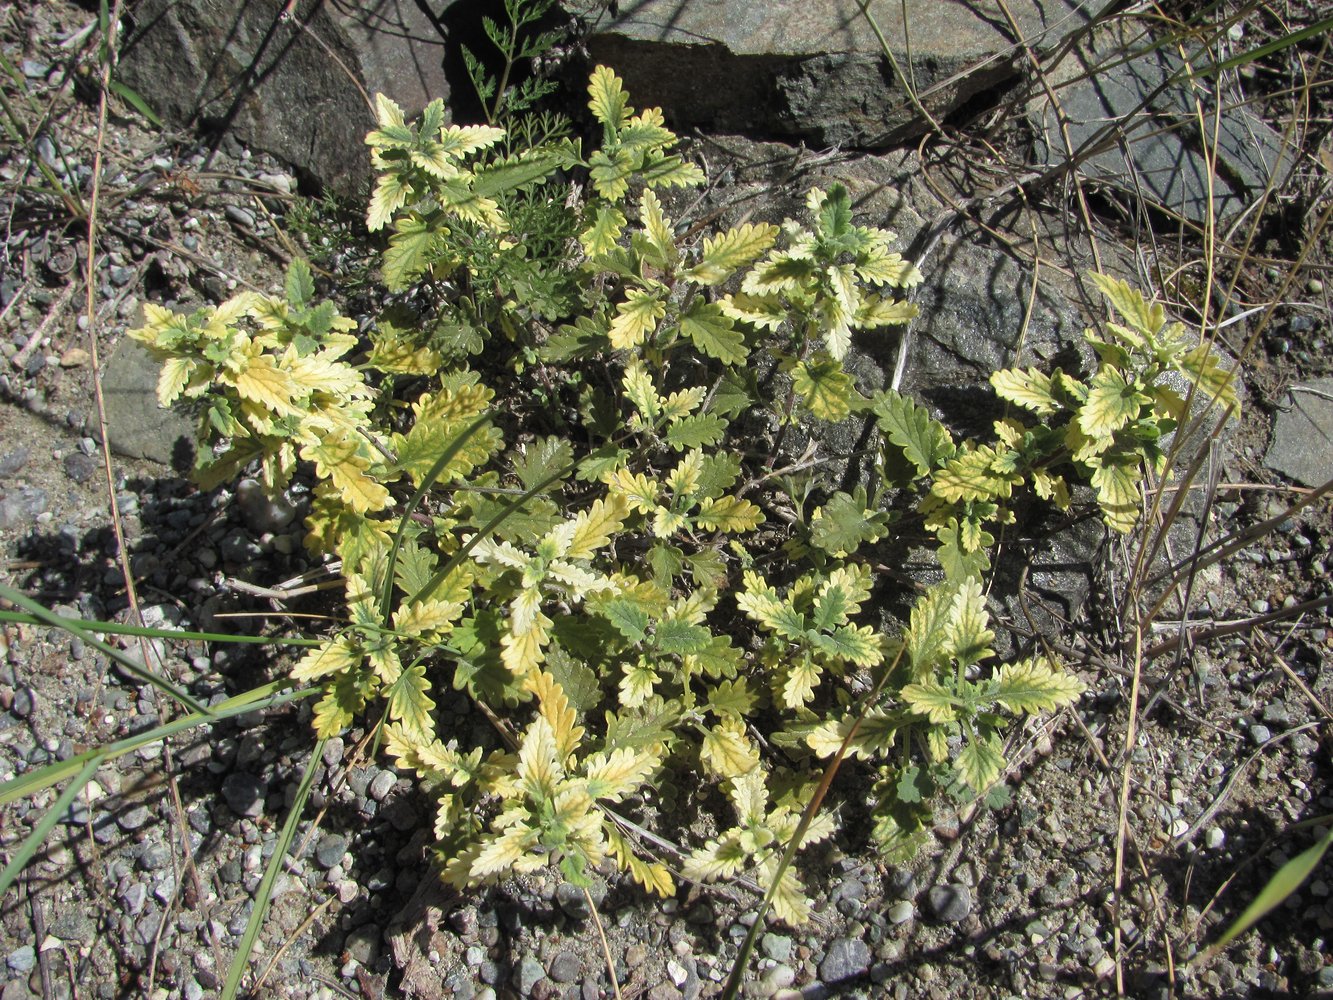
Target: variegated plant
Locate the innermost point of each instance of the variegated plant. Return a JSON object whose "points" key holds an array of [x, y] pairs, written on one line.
{"points": [[613, 588]]}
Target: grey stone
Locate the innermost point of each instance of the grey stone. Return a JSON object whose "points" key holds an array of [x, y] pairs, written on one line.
{"points": [[12, 462], [381, 785], [244, 793], [363, 944], [134, 817], [330, 850], [24, 702], [263, 512], [137, 426], [950, 903], [22, 959], [1260, 734], [134, 897], [814, 70], [1302, 445], [776, 946], [238, 67], [79, 467], [846, 958], [1154, 150], [571, 900], [563, 967], [527, 973], [243, 217], [20, 508], [901, 912]]}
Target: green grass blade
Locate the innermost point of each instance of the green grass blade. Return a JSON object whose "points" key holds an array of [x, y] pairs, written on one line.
{"points": [[267, 696], [78, 629], [1276, 45], [132, 98], [265, 893], [1284, 882], [45, 825], [115, 628]]}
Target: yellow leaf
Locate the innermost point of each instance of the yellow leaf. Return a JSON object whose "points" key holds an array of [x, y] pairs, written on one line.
{"points": [[657, 226], [615, 775], [799, 687], [175, 376], [635, 490], [607, 98], [523, 651], [728, 513], [434, 617], [262, 382], [539, 769], [557, 711], [727, 252]]}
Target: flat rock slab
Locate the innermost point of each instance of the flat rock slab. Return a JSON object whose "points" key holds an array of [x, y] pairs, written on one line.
{"points": [[814, 70], [1157, 153], [1302, 445], [289, 86], [136, 426]]}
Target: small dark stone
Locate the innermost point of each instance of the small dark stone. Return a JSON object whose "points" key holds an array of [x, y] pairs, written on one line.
{"points": [[950, 903], [846, 958], [330, 850], [12, 462], [245, 794], [24, 702], [564, 967], [571, 899]]}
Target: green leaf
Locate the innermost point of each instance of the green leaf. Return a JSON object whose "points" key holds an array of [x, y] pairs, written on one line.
{"points": [[825, 389], [935, 701], [414, 567], [411, 249], [600, 237], [927, 632], [924, 441], [695, 431], [409, 703], [577, 679], [855, 645], [845, 523], [629, 619], [714, 333], [131, 97], [1112, 403], [678, 636], [968, 637], [607, 99], [835, 215], [732, 698], [539, 460]]}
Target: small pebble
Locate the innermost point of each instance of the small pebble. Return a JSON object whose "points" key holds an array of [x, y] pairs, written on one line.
{"points": [[950, 903], [564, 967], [382, 785], [1260, 734], [22, 959], [330, 850], [846, 958], [243, 217], [245, 794], [901, 912]]}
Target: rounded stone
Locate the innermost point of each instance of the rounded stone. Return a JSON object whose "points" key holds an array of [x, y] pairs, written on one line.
{"points": [[563, 967], [381, 785], [244, 793], [901, 912], [950, 903], [330, 850]]}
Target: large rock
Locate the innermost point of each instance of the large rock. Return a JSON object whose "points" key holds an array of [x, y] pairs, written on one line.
{"points": [[1302, 445], [1137, 127], [814, 70], [292, 87], [136, 426]]}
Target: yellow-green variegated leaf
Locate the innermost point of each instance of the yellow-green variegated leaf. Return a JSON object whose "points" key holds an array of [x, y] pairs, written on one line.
{"points": [[1147, 318], [717, 859], [652, 875], [1051, 487], [725, 254], [607, 225], [969, 637], [524, 651], [980, 763], [607, 98], [262, 381], [1111, 404], [788, 899], [878, 310], [766, 312], [825, 389], [636, 318], [882, 267], [409, 703], [174, 378], [728, 513], [936, 702], [331, 657], [539, 770], [972, 476], [1029, 389], [556, 709], [594, 527], [666, 522], [509, 852], [640, 391], [613, 776], [392, 192], [657, 228], [854, 644], [1035, 685], [636, 686], [459, 140], [634, 489], [1215, 382], [1118, 495], [338, 460], [421, 618], [798, 687], [727, 751]]}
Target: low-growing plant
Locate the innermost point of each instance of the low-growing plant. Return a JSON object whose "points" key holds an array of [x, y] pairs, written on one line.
{"points": [[604, 577]]}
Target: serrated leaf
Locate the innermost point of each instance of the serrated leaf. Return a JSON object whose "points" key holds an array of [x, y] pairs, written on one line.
{"points": [[844, 524], [1111, 404], [593, 528], [636, 319], [636, 684], [798, 687], [607, 98], [732, 697], [657, 229], [935, 701], [717, 859], [678, 636], [766, 312], [577, 679], [971, 475], [409, 704], [824, 388], [628, 618], [980, 763], [925, 441], [1146, 318], [330, 657], [713, 333], [1118, 495], [969, 638], [601, 237], [1035, 685], [392, 192], [653, 876], [300, 286], [859, 645], [1030, 389], [695, 431], [726, 751], [612, 776], [728, 513], [875, 311], [726, 253]]}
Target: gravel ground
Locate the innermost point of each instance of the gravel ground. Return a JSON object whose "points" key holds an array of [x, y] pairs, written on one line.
{"points": [[145, 887]]}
